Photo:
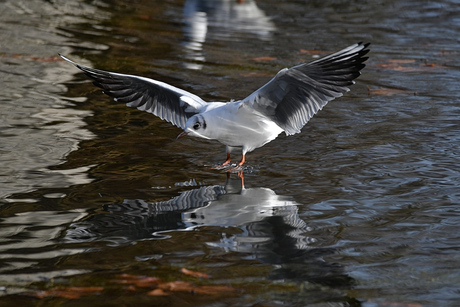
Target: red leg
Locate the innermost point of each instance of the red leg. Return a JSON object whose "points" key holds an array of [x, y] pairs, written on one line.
{"points": [[243, 158], [223, 164]]}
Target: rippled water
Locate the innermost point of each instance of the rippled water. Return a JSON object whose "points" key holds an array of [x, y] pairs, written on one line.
{"points": [[361, 208]]}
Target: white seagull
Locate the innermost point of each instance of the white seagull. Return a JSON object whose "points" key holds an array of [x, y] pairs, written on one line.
{"points": [[286, 103]]}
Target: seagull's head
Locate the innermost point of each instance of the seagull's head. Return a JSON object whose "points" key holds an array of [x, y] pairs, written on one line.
{"points": [[196, 126]]}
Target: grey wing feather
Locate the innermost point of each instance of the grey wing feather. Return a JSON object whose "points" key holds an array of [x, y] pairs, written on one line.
{"points": [[294, 95], [163, 100]]}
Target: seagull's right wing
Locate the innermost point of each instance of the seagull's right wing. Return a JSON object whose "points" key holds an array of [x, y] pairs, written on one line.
{"points": [[294, 95], [163, 100]]}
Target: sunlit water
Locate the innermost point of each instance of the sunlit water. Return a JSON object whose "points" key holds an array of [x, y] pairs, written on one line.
{"points": [[361, 208]]}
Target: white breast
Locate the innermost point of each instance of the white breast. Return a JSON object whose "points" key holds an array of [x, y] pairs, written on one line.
{"points": [[240, 127]]}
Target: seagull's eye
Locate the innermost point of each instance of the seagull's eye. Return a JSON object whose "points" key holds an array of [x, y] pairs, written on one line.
{"points": [[197, 126]]}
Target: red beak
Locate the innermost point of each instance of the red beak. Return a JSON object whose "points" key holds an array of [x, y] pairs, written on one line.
{"points": [[182, 134]]}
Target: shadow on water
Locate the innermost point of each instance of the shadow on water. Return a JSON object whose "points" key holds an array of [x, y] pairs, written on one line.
{"points": [[270, 230]]}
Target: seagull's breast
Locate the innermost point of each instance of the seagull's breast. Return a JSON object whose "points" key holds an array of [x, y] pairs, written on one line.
{"points": [[241, 127]]}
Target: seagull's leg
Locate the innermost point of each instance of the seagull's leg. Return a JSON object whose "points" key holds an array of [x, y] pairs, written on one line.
{"points": [[226, 161], [223, 164], [239, 165], [243, 158]]}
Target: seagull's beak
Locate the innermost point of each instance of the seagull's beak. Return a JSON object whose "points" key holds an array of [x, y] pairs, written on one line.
{"points": [[182, 134]]}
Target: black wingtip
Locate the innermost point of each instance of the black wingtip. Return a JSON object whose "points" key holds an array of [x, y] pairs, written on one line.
{"points": [[70, 61], [363, 44], [365, 50]]}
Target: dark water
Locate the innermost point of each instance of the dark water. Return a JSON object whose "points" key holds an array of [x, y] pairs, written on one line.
{"points": [[360, 209]]}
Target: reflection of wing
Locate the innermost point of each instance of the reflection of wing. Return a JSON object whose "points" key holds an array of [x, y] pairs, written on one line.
{"points": [[137, 219], [263, 216], [163, 100], [271, 230], [294, 95], [188, 200]]}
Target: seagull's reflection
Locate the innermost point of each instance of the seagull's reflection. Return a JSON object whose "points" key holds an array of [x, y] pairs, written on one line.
{"points": [[221, 19], [259, 212], [271, 230]]}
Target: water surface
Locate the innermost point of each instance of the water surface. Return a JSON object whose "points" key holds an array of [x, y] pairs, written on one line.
{"points": [[361, 208]]}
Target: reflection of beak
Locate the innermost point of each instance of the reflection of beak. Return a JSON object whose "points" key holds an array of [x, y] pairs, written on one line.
{"points": [[182, 134]]}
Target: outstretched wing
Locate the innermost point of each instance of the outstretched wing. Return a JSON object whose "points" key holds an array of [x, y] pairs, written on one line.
{"points": [[294, 95], [163, 100]]}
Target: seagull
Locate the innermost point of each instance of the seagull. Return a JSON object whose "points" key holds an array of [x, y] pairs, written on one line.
{"points": [[284, 104]]}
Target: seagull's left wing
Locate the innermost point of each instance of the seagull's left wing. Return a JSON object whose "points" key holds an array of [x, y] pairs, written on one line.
{"points": [[163, 100], [294, 95]]}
